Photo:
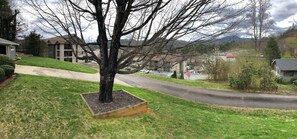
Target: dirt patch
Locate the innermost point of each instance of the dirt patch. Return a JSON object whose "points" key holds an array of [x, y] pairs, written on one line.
{"points": [[7, 81], [123, 104]]}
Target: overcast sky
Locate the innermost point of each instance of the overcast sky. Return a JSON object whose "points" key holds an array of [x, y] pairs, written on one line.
{"points": [[283, 12]]}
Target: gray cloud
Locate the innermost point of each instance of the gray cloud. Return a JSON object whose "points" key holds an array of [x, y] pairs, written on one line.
{"points": [[283, 9]]}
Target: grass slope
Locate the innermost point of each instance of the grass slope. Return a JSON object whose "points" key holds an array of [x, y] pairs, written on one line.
{"points": [[44, 107], [53, 63]]}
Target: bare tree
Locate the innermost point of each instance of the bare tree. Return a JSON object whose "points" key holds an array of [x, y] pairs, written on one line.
{"points": [[260, 20], [148, 26]]}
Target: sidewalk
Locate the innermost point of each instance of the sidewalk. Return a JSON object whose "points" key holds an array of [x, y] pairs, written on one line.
{"points": [[31, 70]]}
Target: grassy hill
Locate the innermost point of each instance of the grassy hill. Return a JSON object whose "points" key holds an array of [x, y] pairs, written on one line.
{"points": [[290, 41], [53, 63], [289, 38], [44, 107]]}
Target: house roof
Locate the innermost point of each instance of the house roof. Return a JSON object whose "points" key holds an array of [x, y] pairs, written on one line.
{"points": [[7, 42], [229, 55], [61, 39], [286, 64]]}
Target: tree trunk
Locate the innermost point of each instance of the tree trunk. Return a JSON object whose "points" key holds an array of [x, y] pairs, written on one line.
{"points": [[106, 86], [181, 69]]}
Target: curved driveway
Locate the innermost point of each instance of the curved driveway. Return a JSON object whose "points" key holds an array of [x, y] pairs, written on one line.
{"points": [[32, 70], [213, 96]]}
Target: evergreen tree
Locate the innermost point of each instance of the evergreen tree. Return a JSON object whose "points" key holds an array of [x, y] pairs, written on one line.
{"points": [[7, 21], [272, 50], [33, 43]]}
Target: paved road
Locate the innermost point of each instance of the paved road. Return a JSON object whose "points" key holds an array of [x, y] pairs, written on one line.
{"points": [[213, 96], [32, 70]]}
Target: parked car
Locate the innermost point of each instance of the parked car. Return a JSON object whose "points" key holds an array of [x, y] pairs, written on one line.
{"points": [[145, 71]]}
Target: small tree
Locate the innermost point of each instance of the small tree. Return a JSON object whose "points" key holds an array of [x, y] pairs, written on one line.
{"points": [[174, 75], [272, 50], [33, 43], [260, 20], [217, 69]]}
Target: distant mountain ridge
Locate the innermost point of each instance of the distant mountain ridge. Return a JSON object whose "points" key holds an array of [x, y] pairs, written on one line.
{"points": [[174, 44], [232, 38]]}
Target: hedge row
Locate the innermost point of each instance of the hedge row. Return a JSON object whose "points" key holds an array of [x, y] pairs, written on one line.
{"points": [[7, 67]]}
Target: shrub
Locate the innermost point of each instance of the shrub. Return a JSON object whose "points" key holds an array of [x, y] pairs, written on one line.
{"points": [[217, 69], [2, 75], [251, 77], [174, 75], [294, 85], [267, 79], [244, 79], [5, 60], [9, 70], [279, 80]]}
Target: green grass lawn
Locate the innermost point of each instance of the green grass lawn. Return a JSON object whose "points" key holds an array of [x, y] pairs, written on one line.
{"points": [[53, 63], [196, 83], [44, 107]]}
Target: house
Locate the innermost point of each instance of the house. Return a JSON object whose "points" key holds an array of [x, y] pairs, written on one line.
{"points": [[285, 69], [167, 63], [8, 48], [62, 49]]}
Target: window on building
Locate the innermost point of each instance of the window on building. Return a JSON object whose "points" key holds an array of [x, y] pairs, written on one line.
{"points": [[67, 53], [289, 73], [67, 46], [58, 53], [2, 49], [58, 47], [68, 59]]}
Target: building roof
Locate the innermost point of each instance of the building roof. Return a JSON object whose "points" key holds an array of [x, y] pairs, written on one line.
{"points": [[7, 42], [286, 64], [229, 55], [61, 39]]}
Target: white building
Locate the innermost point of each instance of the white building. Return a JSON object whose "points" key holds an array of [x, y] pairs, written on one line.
{"points": [[62, 49], [8, 48]]}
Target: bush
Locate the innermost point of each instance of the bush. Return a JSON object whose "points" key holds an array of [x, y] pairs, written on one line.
{"points": [[244, 79], [294, 85], [2, 75], [9, 70], [267, 79], [5, 60], [217, 69], [174, 75], [251, 77]]}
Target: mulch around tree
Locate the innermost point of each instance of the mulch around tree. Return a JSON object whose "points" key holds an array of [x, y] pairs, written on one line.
{"points": [[121, 101], [7, 81]]}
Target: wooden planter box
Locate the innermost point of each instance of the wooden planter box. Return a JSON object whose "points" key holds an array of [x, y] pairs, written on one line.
{"points": [[127, 110]]}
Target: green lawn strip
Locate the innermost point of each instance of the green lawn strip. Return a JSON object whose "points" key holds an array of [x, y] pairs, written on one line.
{"points": [[44, 107], [56, 64], [196, 83]]}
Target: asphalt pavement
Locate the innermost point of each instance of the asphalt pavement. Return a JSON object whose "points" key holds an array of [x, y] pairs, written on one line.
{"points": [[226, 98]]}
